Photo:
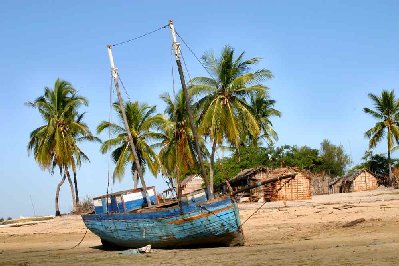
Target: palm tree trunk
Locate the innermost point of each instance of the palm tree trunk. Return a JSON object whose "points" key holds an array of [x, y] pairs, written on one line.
{"points": [[72, 189], [212, 166], [57, 193], [75, 182], [135, 179], [389, 183]]}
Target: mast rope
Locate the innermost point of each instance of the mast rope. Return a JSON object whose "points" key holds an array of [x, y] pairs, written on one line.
{"points": [[140, 36], [124, 88], [185, 66], [196, 57], [173, 72]]}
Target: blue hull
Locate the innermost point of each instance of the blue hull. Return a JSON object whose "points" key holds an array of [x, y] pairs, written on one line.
{"points": [[214, 222]]}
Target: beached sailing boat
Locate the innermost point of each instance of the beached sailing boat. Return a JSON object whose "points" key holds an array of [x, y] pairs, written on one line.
{"points": [[134, 218]]}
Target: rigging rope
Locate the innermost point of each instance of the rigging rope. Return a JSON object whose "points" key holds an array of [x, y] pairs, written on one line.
{"points": [[196, 57], [124, 88], [184, 62], [141, 36], [173, 72]]}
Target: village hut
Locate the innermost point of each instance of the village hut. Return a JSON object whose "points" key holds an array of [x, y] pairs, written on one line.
{"points": [[191, 184], [296, 188], [320, 184], [359, 180], [249, 177]]}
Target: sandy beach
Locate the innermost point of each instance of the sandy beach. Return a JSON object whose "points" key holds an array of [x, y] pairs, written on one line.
{"points": [[311, 232]]}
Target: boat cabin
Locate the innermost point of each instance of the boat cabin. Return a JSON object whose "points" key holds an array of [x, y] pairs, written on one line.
{"points": [[124, 201]]}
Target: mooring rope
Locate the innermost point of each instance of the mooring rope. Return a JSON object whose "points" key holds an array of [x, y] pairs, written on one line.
{"points": [[253, 213], [80, 240]]}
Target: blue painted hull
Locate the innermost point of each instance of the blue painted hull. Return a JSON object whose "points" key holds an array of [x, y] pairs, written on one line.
{"points": [[213, 222]]}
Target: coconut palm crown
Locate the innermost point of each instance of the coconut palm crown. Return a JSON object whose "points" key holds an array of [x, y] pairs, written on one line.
{"points": [[177, 148], [142, 120], [223, 98], [386, 111]]}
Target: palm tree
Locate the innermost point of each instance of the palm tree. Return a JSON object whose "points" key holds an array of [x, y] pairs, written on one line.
{"points": [[177, 148], [142, 121], [386, 110], [54, 144], [263, 109], [223, 99]]}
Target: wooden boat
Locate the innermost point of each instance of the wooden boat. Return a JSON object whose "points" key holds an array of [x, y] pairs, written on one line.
{"points": [[191, 223]]}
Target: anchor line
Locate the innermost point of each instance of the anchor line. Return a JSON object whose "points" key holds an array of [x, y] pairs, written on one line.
{"points": [[80, 240], [261, 206]]}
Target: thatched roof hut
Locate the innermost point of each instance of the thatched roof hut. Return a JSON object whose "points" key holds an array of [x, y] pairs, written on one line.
{"points": [[248, 177], [359, 180], [295, 188]]}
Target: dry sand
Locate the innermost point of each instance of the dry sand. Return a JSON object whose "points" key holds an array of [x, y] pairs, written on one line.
{"points": [[282, 233]]}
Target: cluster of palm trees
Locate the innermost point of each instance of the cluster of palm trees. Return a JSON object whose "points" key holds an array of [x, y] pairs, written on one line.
{"points": [[231, 107], [386, 111]]}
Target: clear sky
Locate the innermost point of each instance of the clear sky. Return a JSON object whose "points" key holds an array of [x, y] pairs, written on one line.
{"points": [[325, 56]]}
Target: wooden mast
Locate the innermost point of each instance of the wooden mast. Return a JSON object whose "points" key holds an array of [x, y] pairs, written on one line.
{"points": [[129, 134], [176, 47]]}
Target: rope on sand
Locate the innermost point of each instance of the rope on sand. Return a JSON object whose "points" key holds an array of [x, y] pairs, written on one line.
{"points": [[80, 240]]}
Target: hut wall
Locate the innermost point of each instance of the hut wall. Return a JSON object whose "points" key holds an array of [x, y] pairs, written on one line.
{"points": [[320, 184], [335, 188], [258, 192], [364, 181], [298, 188]]}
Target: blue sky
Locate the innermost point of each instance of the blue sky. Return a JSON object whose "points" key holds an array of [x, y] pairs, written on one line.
{"points": [[326, 57]]}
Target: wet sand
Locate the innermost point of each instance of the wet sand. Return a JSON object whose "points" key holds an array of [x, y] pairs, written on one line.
{"points": [[308, 232]]}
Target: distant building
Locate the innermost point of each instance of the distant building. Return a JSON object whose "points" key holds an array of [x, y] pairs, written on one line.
{"points": [[191, 184], [359, 180]]}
